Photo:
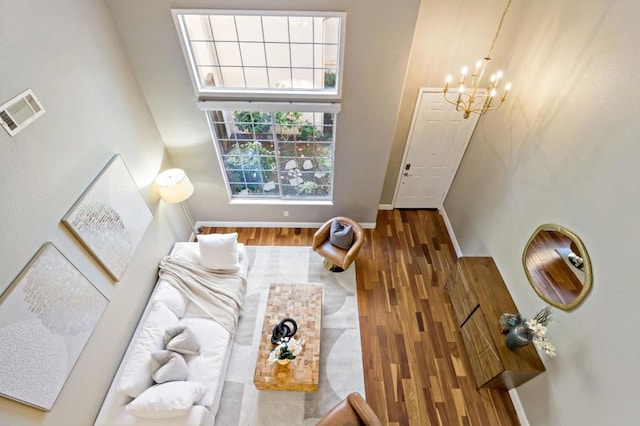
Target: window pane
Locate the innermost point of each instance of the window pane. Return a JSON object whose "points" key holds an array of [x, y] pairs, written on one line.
{"points": [[252, 123], [224, 27], [330, 56], [249, 40], [198, 27], [279, 77], [232, 77], [328, 77], [318, 55], [302, 55], [286, 149], [228, 54], [318, 29], [302, 78], [226, 145], [275, 28], [331, 30], [249, 28], [278, 55], [252, 54], [296, 165], [256, 77], [301, 29]]}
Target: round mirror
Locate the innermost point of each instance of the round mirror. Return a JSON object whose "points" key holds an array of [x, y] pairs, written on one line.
{"points": [[558, 266]]}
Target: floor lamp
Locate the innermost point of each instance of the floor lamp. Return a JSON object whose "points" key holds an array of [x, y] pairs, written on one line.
{"points": [[175, 187]]}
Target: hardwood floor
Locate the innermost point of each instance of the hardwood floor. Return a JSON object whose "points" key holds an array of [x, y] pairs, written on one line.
{"points": [[415, 368]]}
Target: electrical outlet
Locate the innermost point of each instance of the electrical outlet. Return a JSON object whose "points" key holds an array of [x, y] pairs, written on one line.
{"points": [[286, 213]]}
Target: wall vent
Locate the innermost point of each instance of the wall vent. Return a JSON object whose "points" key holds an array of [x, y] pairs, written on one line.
{"points": [[20, 111]]}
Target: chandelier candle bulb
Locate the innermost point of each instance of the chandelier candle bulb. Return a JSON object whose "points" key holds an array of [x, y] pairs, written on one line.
{"points": [[446, 83], [506, 91], [463, 75]]}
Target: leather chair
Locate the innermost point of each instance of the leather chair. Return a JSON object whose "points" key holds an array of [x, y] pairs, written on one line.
{"points": [[335, 258], [351, 411]]}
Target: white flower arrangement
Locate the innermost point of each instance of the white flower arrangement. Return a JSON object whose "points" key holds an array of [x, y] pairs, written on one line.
{"points": [[537, 328], [287, 348]]}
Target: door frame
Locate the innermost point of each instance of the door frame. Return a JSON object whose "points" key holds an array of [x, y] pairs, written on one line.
{"points": [[421, 91]]}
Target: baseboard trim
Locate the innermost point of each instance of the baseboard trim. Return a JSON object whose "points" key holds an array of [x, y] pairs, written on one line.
{"points": [[385, 207], [217, 224], [517, 405], [452, 234]]}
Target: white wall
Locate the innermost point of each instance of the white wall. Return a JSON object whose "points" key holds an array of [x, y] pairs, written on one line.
{"points": [[565, 150], [70, 55], [377, 43]]}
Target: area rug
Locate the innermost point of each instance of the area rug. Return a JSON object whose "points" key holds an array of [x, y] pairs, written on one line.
{"points": [[340, 351]]}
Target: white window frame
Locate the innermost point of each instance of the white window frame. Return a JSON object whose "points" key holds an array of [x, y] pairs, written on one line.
{"points": [[270, 94], [334, 108]]}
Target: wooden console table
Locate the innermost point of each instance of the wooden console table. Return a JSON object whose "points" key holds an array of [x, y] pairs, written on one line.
{"points": [[479, 296], [303, 303]]}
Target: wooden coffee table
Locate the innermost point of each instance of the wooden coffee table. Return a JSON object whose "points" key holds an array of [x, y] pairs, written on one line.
{"points": [[303, 303]]}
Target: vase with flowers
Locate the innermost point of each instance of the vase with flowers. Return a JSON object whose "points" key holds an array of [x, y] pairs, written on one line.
{"points": [[532, 331], [286, 349]]}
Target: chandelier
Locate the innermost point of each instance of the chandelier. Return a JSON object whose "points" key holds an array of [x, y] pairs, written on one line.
{"points": [[474, 98]]}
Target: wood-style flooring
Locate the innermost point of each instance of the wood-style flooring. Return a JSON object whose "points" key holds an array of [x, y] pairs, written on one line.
{"points": [[416, 371]]}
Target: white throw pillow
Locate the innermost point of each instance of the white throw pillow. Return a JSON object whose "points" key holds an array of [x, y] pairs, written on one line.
{"points": [[166, 400], [219, 251], [181, 339], [136, 375], [168, 366]]}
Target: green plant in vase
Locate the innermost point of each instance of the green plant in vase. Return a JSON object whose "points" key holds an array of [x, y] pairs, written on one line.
{"points": [[286, 350]]}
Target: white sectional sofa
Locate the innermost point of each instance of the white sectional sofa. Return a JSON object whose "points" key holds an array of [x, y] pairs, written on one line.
{"points": [[170, 404]]}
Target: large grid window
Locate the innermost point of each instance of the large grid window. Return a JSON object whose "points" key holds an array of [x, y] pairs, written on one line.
{"points": [[270, 83], [276, 53], [285, 155]]}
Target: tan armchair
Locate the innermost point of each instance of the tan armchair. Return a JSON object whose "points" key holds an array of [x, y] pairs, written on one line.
{"points": [[335, 258], [351, 411]]}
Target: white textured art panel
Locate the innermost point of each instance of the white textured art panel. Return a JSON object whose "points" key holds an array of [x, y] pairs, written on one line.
{"points": [[110, 218], [46, 317]]}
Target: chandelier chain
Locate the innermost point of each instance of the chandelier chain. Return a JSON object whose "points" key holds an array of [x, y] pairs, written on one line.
{"points": [[493, 43]]}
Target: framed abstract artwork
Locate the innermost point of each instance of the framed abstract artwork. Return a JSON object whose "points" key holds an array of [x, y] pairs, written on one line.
{"points": [[46, 318], [110, 218]]}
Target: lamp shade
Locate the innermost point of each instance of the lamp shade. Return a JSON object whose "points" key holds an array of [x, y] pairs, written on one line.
{"points": [[174, 186]]}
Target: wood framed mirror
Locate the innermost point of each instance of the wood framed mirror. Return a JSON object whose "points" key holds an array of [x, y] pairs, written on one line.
{"points": [[558, 266]]}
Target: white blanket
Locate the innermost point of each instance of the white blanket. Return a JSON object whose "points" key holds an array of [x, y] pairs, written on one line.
{"points": [[219, 293]]}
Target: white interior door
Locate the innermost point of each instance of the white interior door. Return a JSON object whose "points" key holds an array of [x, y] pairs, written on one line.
{"points": [[437, 140]]}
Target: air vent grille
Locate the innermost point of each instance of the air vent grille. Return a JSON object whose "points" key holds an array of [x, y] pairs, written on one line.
{"points": [[20, 111]]}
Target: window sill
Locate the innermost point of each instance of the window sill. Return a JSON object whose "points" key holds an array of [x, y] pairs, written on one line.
{"points": [[264, 202]]}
